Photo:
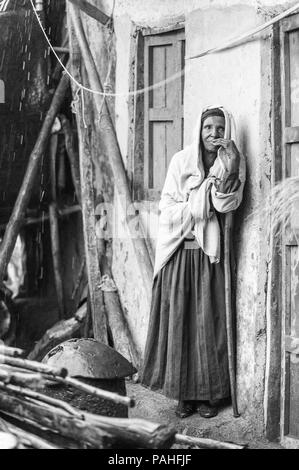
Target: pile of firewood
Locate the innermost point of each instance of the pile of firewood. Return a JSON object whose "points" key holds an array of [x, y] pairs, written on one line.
{"points": [[42, 422]]}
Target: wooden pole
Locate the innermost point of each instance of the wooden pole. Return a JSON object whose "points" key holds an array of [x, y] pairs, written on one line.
{"points": [[18, 213], [72, 155], [204, 443], [112, 150], [228, 311], [91, 11], [92, 254], [56, 256]]}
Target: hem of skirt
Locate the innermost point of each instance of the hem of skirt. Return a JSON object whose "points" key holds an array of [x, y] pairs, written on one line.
{"points": [[199, 397]]}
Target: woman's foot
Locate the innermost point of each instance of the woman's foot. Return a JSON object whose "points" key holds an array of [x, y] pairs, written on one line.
{"points": [[206, 410], [185, 408]]}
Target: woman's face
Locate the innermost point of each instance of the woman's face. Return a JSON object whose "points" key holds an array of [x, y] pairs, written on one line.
{"points": [[212, 128]]}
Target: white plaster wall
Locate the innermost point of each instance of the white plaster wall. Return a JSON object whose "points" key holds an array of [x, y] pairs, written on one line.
{"points": [[241, 80]]}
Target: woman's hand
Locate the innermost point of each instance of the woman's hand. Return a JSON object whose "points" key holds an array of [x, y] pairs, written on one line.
{"points": [[228, 154]]}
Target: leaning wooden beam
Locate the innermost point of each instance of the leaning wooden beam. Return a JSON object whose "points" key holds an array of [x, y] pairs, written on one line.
{"points": [[111, 148], [91, 10], [17, 216], [204, 443], [92, 254], [27, 439], [60, 332], [72, 154], [56, 257]]}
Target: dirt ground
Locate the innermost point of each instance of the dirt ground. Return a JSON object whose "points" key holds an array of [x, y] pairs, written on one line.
{"points": [[157, 408]]}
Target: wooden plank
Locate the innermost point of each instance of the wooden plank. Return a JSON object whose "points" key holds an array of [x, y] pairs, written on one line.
{"points": [[161, 114], [91, 11], [88, 210], [174, 26], [291, 135]]}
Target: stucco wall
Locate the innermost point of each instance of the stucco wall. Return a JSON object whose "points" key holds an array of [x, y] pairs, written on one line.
{"points": [[240, 79]]}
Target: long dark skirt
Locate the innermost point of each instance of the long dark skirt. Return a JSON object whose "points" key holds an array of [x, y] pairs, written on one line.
{"points": [[186, 350]]}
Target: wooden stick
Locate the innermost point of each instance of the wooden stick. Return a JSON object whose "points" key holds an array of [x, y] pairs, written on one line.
{"points": [[91, 11], [56, 256], [111, 149], [35, 366], [59, 375], [204, 443], [12, 352], [23, 379], [26, 438], [17, 216], [228, 311], [79, 279], [127, 401], [25, 392]]}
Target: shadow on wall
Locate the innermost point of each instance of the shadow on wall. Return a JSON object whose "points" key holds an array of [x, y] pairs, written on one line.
{"points": [[245, 208]]}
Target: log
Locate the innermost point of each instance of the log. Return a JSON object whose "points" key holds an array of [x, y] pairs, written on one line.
{"points": [[204, 443], [111, 149], [97, 431], [56, 256], [97, 308], [55, 420], [27, 439], [72, 155], [61, 331], [17, 216]]}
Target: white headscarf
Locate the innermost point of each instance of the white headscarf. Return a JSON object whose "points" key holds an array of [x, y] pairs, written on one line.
{"points": [[188, 196]]}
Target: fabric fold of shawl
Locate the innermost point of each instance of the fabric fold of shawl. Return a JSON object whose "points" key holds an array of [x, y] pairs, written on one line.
{"points": [[189, 200]]}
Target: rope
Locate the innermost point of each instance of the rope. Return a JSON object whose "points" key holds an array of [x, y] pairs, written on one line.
{"points": [[226, 45]]}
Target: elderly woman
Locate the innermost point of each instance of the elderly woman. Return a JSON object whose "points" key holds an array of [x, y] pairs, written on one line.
{"points": [[186, 350]]}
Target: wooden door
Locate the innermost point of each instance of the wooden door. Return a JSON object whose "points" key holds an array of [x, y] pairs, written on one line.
{"points": [[290, 238], [163, 106]]}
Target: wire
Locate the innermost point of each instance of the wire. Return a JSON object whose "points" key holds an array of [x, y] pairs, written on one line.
{"points": [[226, 45]]}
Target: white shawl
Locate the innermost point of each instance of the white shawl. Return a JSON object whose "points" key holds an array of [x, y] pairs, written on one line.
{"points": [[187, 198]]}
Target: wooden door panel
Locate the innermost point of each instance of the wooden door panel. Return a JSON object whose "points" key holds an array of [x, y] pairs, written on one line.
{"points": [[163, 112]]}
